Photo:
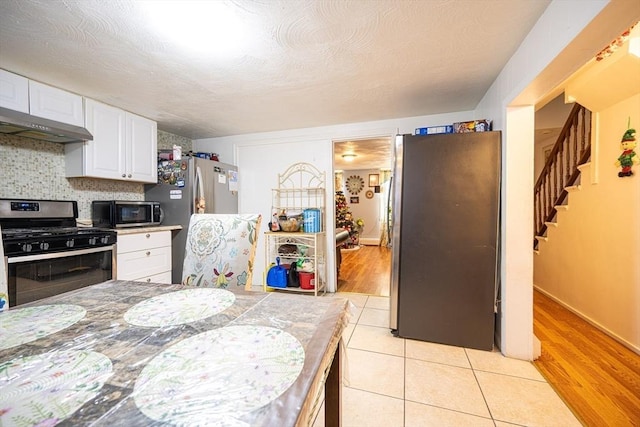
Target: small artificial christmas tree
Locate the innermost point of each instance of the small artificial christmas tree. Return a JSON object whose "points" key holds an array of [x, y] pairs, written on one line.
{"points": [[345, 220]]}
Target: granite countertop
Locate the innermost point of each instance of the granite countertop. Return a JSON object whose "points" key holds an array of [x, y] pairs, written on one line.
{"points": [[137, 230], [133, 230], [152, 354]]}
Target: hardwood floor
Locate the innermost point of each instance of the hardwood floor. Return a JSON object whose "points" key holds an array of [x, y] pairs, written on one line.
{"points": [[596, 376], [366, 271]]}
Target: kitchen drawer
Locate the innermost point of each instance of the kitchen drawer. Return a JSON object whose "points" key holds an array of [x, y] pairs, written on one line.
{"points": [[143, 263], [138, 242], [156, 278]]}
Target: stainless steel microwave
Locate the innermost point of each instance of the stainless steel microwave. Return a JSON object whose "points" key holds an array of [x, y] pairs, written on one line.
{"points": [[124, 213]]}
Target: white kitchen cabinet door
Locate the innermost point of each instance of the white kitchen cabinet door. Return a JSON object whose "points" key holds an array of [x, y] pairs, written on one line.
{"points": [[124, 146], [14, 92], [142, 139], [55, 104], [104, 157]]}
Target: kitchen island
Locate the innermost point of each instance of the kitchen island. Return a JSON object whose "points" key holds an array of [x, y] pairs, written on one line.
{"points": [[133, 353]]}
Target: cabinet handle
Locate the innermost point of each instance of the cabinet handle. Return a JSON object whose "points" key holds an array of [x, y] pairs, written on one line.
{"points": [[147, 235], [148, 253], [129, 176], [124, 175], [148, 279]]}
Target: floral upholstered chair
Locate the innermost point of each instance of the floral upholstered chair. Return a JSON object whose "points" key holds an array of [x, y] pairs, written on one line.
{"points": [[220, 250]]}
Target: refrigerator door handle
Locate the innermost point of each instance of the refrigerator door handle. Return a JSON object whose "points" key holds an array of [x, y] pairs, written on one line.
{"points": [[395, 233], [200, 202]]}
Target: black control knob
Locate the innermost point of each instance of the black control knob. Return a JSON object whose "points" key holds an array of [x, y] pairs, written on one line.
{"points": [[70, 243], [92, 241], [26, 247], [44, 246], [104, 240]]}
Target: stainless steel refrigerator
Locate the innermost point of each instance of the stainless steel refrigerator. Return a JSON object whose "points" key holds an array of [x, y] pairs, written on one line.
{"points": [[180, 182], [445, 242]]}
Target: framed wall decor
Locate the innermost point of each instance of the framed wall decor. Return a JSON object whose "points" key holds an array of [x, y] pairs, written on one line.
{"points": [[374, 179], [355, 184], [354, 199], [369, 194]]}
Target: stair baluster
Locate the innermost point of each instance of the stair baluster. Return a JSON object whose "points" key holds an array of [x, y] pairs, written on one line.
{"points": [[572, 148]]}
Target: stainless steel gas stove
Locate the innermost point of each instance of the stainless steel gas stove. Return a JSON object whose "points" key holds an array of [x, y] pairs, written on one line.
{"points": [[46, 253]]}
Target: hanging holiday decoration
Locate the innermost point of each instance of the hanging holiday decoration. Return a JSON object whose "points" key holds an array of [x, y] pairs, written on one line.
{"points": [[614, 45], [628, 157]]}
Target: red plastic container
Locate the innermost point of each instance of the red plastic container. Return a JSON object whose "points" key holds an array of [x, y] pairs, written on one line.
{"points": [[307, 280]]}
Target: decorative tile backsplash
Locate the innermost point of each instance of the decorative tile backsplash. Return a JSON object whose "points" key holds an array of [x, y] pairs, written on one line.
{"points": [[166, 141], [36, 170]]}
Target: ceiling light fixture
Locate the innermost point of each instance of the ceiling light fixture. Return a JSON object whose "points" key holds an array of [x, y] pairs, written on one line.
{"points": [[205, 27], [348, 157]]}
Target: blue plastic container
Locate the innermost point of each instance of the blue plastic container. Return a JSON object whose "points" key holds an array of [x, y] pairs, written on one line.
{"points": [[311, 220]]}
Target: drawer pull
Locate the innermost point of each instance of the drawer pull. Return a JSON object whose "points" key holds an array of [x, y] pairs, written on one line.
{"points": [[148, 279], [147, 235], [148, 253]]}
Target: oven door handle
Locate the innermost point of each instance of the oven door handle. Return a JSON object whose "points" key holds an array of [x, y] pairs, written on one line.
{"points": [[54, 255]]}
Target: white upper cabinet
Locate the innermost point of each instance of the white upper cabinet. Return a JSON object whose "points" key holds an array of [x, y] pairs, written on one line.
{"points": [[104, 157], [142, 149], [14, 92], [18, 93], [55, 104], [124, 146]]}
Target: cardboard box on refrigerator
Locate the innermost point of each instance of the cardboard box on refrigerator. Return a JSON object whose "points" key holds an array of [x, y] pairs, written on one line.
{"points": [[472, 126], [432, 130]]}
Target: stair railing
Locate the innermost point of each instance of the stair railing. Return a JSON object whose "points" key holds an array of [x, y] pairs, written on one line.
{"points": [[572, 149]]}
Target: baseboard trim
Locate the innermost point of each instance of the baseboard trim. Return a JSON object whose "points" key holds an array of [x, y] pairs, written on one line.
{"points": [[369, 241], [592, 322]]}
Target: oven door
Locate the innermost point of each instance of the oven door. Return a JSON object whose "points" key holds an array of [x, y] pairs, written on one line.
{"points": [[33, 277]]}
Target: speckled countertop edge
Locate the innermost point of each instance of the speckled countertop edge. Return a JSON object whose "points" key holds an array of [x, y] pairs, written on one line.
{"points": [[137, 230]]}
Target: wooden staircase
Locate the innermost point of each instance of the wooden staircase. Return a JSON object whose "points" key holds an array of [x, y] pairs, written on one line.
{"points": [[561, 172]]}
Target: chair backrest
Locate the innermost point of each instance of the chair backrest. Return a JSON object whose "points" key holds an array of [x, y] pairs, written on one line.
{"points": [[220, 250]]}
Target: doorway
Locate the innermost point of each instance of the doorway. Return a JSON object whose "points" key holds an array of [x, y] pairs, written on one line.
{"points": [[362, 171]]}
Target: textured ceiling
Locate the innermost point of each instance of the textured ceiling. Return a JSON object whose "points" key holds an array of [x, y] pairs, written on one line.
{"points": [[302, 63]]}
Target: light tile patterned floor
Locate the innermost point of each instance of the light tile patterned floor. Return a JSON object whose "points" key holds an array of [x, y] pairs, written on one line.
{"points": [[396, 382]]}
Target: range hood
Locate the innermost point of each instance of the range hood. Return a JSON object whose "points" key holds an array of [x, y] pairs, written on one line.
{"points": [[28, 126]]}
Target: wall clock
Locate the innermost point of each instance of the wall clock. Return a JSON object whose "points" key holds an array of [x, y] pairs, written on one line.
{"points": [[369, 194], [355, 184]]}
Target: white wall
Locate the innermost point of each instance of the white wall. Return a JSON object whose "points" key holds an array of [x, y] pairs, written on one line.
{"points": [[590, 261], [540, 147]]}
